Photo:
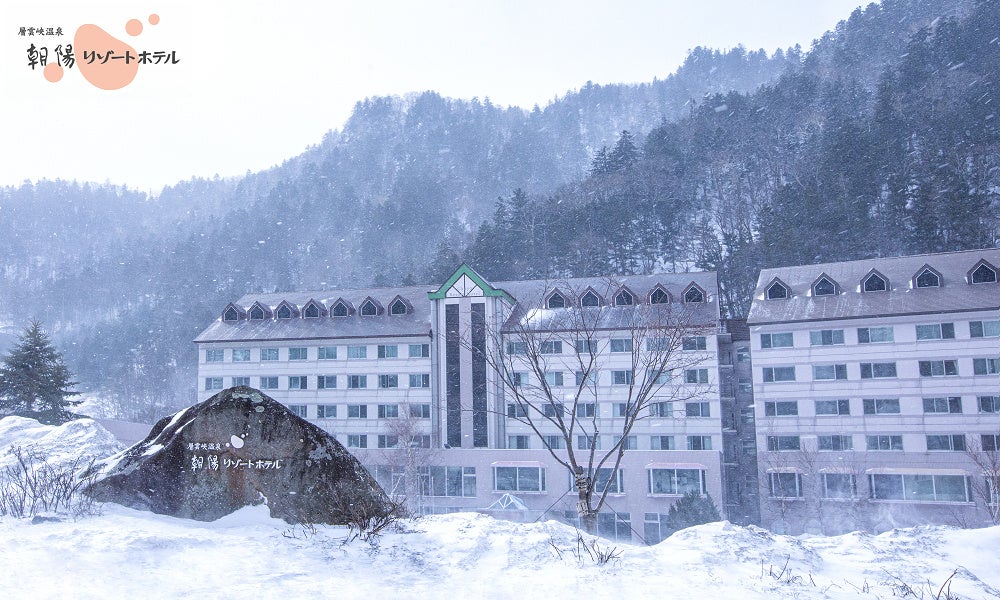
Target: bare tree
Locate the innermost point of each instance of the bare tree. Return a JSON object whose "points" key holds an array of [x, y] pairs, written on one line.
{"points": [[536, 346], [409, 456], [985, 453]]}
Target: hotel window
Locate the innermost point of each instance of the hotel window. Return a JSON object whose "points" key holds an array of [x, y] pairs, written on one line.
{"points": [[268, 383], [213, 383], [784, 408], [878, 370], [269, 354], [420, 350], [519, 479], [984, 274], [928, 279], [938, 368], [388, 381], [661, 442], [697, 409], [388, 441], [327, 352], [985, 366], [920, 487], [829, 372], [989, 404], [784, 484], [326, 411], [298, 354], [388, 411], [550, 347], [936, 331], [833, 407], [826, 337], [237, 381], [677, 481], [874, 335], [689, 343], [388, 351], [834, 443], [874, 283], [299, 410], [775, 374], [420, 380], [884, 443], [881, 406], [951, 405], [621, 345], [554, 442], [776, 291], [420, 411], [357, 441], [978, 329], [215, 355], [554, 378], [783, 443], [621, 377], [696, 376], [946, 443], [357, 352], [241, 354], [356, 382], [839, 486], [699, 442], [326, 382], [776, 340], [298, 382], [357, 411]]}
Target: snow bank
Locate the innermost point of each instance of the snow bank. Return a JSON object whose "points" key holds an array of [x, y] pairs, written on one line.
{"points": [[82, 438]]}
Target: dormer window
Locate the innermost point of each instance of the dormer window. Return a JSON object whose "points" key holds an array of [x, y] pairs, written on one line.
{"points": [[624, 298], [284, 312], [874, 283], [776, 291], [256, 313], [231, 314], [694, 294], [927, 279], [590, 299], [983, 273], [341, 309], [312, 310], [824, 286], [397, 308], [659, 296], [556, 300], [369, 308]]}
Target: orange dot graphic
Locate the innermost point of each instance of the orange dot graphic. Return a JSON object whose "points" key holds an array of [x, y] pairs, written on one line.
{"points": [[133, 27], [53, 72], [154, 19]]}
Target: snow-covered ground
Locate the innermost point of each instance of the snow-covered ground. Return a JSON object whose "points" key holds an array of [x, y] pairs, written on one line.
{"points": [[124, 553]]}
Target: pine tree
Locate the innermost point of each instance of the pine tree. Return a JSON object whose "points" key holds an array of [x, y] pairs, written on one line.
{"points": [[34, 381], [692, 509]]}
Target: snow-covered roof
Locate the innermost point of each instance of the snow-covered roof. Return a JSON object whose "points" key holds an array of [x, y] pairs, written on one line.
{"points": [[956, 293]]}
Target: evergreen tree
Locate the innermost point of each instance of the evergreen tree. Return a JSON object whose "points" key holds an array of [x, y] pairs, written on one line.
{"points": [[692, 509], [34, 381]]}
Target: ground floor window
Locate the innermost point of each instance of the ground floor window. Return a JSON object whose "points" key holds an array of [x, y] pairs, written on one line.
{"points": [[786, 484], [614, 525], [839, 486], [448, 481], [920, 487]]}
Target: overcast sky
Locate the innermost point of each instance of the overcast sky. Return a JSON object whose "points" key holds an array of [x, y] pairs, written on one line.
{"points": [[257, 82]]}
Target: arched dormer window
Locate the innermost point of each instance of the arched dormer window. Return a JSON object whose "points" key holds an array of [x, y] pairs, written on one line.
{"points": [[777, 291], [258, 313], [624, 298], [590, 298], [286, 311], [231, 314], [313, 310], [659, 296], [399, 306], [341, 308], [556, 300], [927, 278], [824, 286], [694, 294], [370, 308], [874, 282], [984, 272]]}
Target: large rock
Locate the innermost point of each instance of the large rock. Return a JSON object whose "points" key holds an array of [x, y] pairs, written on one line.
{"points": [[240, 448]]}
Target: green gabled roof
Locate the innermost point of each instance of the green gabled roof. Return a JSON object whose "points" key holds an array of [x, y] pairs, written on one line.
{"points": [[488, 290]]}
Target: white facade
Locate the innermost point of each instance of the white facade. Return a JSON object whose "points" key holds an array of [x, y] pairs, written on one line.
{"points": [[872, 405], [418, 379]]}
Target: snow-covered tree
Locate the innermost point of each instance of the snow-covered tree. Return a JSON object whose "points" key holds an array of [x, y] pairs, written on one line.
{"points": [[34, 380]]}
